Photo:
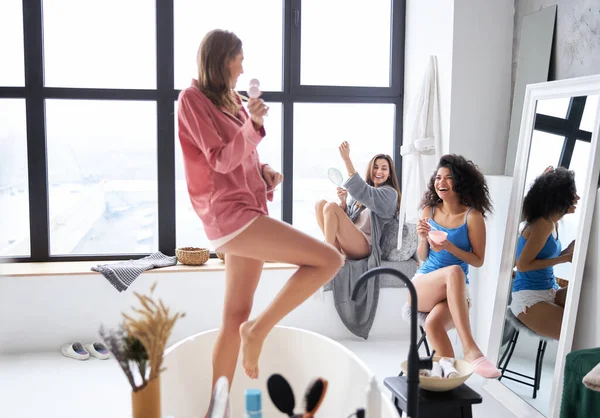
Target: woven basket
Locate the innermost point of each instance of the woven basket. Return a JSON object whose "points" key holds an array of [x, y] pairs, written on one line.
{"points": [[221, 256], [192, 256], [562, 282]]}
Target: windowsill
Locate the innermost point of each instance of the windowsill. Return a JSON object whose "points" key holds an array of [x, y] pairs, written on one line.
{"points": [[79, 268]]}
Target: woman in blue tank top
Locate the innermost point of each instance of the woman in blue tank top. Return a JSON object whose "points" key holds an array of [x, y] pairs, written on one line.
{"points": [[536, 298], [456, 202]]}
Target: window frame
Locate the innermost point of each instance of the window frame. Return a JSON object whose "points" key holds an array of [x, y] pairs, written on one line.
{"points": [[165, 95], [567, 127]]}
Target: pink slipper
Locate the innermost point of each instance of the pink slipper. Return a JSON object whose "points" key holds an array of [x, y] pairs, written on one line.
{"points": [[485, 368]]}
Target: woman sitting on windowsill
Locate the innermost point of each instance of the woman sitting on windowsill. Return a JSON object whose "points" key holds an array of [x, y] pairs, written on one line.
{"points": [[349, 225]]}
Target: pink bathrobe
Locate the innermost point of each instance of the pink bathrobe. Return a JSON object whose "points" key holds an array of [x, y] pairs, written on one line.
{"points": [[222, 167]]}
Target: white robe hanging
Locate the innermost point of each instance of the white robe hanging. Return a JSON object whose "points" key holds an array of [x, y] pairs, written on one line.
{"points": [[422, 147]]}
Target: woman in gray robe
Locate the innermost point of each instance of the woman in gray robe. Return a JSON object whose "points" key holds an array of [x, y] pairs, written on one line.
{"points": [[355, 227]]}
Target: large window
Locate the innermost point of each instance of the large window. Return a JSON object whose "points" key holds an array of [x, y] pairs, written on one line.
{"points": [[90, 159]]}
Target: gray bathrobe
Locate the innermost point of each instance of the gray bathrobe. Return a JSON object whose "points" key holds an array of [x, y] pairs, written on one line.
{"points": [[383, 202]]}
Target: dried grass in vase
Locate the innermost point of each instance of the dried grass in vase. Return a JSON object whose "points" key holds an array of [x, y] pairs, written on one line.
{"points": [[140, 342]]}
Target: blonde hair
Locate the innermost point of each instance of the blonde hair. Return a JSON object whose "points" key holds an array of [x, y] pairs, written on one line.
{"points": [[214, 80]]}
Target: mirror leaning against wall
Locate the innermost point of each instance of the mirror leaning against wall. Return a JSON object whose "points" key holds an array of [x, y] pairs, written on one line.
{"points": [[554, 188]]}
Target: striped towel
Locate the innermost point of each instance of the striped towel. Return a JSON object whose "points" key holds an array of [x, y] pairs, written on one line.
{"points": [[122, 274]]}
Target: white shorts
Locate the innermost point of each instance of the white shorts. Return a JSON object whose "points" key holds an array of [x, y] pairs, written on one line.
{"points": [[524, 299], [219, 242]]}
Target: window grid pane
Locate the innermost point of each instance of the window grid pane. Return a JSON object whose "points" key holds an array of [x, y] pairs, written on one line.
{"points": [[554, 107], [318, 131], [102, 177], [346, 43], [14, 186], [258, 24], [547, 149], [108, 44], [12, 70]]}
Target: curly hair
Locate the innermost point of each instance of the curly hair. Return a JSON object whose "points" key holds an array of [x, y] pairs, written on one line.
{"points": [[551, 193], [469, 184]]}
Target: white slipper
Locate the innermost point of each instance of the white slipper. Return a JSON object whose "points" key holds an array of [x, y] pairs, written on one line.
{"points": [[75, 350], [98, 350]]}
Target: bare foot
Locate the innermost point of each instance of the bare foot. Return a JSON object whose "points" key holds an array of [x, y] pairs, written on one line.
{"points": [[251, 348]]}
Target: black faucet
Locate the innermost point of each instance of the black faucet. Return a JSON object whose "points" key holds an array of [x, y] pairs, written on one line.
{"points": [[414, 362]]}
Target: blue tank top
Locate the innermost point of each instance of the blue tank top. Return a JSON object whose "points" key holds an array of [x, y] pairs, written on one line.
{"points": [[457, 236], [541, 279]]}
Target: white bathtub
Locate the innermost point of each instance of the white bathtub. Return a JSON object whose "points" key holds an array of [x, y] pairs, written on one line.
{"points": [[296, 354]]}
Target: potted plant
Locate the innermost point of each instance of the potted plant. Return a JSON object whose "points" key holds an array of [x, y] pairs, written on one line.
{"points": [[138, 345]]}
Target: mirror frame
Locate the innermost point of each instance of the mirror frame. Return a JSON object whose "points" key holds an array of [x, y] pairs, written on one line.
{"points": [[582, 86]]}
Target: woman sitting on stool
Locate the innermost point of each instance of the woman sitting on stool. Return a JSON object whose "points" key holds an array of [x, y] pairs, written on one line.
{"points": [[537, 300], [456, 202]]}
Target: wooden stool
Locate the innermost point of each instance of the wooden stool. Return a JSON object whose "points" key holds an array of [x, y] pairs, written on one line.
{"points": [[455, 403]]}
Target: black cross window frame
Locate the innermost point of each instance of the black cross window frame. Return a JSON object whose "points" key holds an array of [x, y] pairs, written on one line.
{"points": [[568, 128]]}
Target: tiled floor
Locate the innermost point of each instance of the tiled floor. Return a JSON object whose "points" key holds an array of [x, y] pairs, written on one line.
{"points": [[49, 385]]}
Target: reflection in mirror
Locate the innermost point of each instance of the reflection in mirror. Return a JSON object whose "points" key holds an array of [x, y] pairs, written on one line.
{"points": [[556, 169]]}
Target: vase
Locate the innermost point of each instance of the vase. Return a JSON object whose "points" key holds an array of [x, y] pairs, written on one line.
{"points": [[146, 402]]}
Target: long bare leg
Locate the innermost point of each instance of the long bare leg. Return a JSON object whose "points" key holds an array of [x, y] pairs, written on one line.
{"points": [[459, 308], [241, 279], [271, 239], [449, 284], [437, 324], [339, 228], [319, 214], [319, 211], [544, 318]]}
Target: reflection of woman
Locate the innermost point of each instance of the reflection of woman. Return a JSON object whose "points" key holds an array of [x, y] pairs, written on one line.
{"points": [[348, 226], [228, 189], [456, 201], [536, 298]]}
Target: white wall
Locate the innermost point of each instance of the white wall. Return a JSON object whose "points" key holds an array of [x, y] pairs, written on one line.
{"points": [[481, 80], [42, 313], [473, 44], [429, 29]]}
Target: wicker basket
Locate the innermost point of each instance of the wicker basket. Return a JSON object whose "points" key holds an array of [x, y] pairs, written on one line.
{"points": [[221, 256], [562, 282], [192, 256]]}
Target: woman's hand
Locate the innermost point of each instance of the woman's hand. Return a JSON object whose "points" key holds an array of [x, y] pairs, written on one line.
{"points": [[568, 251], [271, 177], [257, 109], [423, 228], [342, 195], [438, 247], [345, 150]]}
